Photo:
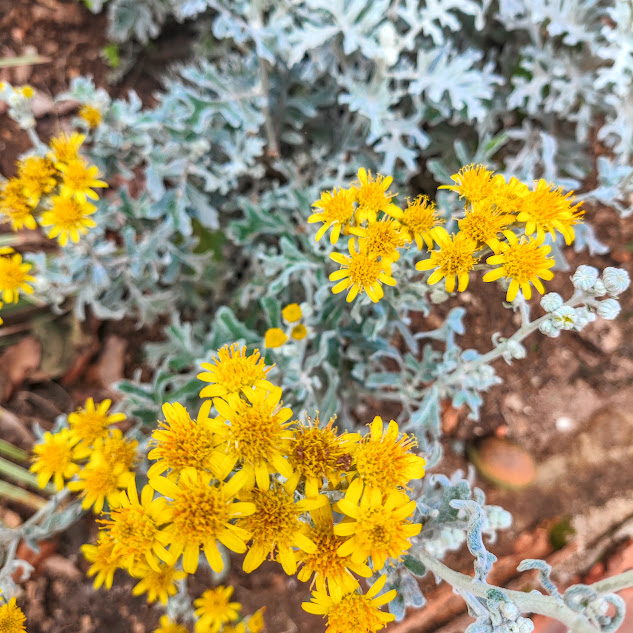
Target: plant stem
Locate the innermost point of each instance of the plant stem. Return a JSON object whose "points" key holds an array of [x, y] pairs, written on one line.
{"points": [[14, 493], [22, 475], [8, 449]]}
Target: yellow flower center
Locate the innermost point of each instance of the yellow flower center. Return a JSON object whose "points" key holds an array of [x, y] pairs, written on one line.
{"points": [[11, 618], [100, 481], [364, 269], [524, 261], [419, 216], [339, 208], [234, 370], [325, 561], [482, 225], [474, 183], [275, 519], [54, 456], [378, 530], [13, 202], [372, 197], [88, 425], [354, 612], [383, 238], [455, 257], [77, 176], [317, 450], [384, 464], [68, 213], [133, 531], [11, 274]]}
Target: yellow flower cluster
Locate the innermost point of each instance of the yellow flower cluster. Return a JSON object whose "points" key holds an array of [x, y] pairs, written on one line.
{"points": [[504, 222], [328, 506], [291, 314], [100, 457], [11, 618]]}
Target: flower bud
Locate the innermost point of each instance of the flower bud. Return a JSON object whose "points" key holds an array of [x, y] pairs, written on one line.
{"points": [[598, 289], [547, 328], [551, 301], [616, 280], [608, 309], [564, 318], [585, 277]]}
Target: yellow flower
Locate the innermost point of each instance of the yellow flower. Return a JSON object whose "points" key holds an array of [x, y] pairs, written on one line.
{"points": [[291, 313], [15, 205], [92, 422], [454, 259], [234, 372], [418, 219], [158, 584], [509, 197], [372, 197], [104, 562], [166, 625], [324, 565], [79, 179], [91, 115], [523, 262], [14, 275], [69, 219], [37, 176], [54, 457], [337, 212], [318, 454], [474, 182], [384, 462], [378, 528], [382, 238], [201, 512], [117, 449], [275, 527], [299, 332], [361, 272], [135, 529], [65, 148], [215, 609], [100, 481], [275, 337], [11, 618], [181, 443], [257, 438], [353, 611], [255, 622], [482, 224], [26, 91], [549, 210]]}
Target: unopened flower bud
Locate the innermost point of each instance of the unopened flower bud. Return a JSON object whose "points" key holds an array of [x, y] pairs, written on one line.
{"points": [[551, 301], [616, 280], [585, 277], [608, 309], [547, 328], [598, 289]]}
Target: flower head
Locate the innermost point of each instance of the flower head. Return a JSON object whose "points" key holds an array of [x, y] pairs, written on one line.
{"points": [[274, 337], [453, 261], [234, 372], [382, 238], [215, 609], [377, 525], [181, 443], [299, 332], [336, 212], [91, 115], [158, 584], [16, 206], [361, 272], [383, 462], [79, 179], [474, 182], [116, 448], [256, 437], [509, 197], [93, 421], [418, 219], [373, 197], [104, 562], [291, 313], [167, 625], [65, 148], [11, 618], [55, 458], [353, 611], [37, 177], [68, 218], [523, 262], [14, 275], [201, 514], [482, 224]]}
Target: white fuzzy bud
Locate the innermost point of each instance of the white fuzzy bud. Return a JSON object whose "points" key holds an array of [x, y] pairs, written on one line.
{"points": [[585, 277], [551, 301], [608, 309], [564, 318], [547, 328], [616, 280], [516, 350], [598, 289]]}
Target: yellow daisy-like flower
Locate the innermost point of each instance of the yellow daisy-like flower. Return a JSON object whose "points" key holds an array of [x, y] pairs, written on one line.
{"points": [[418, 219], [257, 437], [509, 198], [454, 259], [158, 584], [181, 443], [201, 512], [215, 609], [299, 332], [483, 224], [14, 275], [79, 179], [291, 313], [353, 611], [549, 210], [15, 205], [523, 262], [99, 482], [104, 562], [474, 182], [11, 618], [378, 528], [274, 337], [65, 147], [319, 454], [68, 218], [373, 197], [382, 238], [117, 449], [324, 565], [336, 212], [234, 372], [91, 115], [361, 272], [92, 422], [384, 462], [134, 526], [37, 176], [275, 527], [167, 625], [55, 458]]}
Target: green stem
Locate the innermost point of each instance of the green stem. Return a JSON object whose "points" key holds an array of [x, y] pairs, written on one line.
{"points": [[8, 449], [13, 493], [22, 475]]}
